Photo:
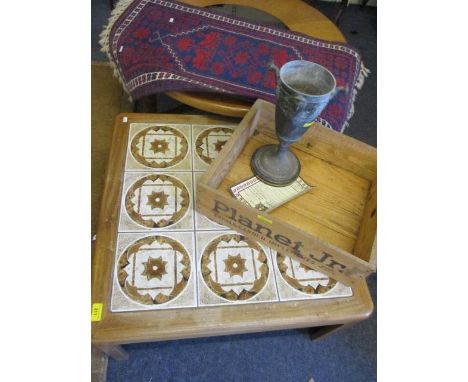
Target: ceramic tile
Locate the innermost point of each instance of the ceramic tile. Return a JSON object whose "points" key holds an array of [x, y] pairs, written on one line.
{"points": [[201, 221], [208, 140], [159, 147], [299, 282], [233, 270], [168, 256], [156, 201], [154, 271]]}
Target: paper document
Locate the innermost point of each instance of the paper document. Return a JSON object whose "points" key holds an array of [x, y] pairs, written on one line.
{"points": [[266, 198]]}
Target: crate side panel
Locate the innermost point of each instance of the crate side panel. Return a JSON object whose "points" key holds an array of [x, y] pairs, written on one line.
{"points": [[365, 247]]}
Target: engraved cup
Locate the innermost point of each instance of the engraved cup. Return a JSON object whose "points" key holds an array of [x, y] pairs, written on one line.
{"points": [[303, 90]]}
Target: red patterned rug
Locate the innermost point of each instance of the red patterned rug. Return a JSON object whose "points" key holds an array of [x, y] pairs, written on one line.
{"points": [[159, 46]]}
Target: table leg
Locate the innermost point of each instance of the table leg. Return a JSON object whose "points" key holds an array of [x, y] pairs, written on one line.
{"points": [[147, 104], [116, 352], [343, 5], [324, 331]]}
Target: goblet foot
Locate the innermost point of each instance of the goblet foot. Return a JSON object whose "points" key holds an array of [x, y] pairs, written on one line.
{"points": [[273, 169]]}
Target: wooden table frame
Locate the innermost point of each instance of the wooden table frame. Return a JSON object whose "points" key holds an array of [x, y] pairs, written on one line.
{"points": [[115, 329]]}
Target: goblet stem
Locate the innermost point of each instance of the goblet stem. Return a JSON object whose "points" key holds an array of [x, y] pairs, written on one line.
{"points": [[283, 148]]}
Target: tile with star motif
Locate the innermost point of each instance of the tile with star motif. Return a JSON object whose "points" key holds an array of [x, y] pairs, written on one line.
{"points": [[296, 281], [159, 147], [233, 270], [208, 141], [156, 201], [154, 271]]}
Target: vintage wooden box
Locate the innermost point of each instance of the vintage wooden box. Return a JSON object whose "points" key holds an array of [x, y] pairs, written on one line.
{"points": [[332, 228]]}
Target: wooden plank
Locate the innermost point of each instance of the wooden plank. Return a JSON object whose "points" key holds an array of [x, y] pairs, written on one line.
{"points": [[134, 327], [108, 217], [281, 236], [231, 150], [366, 243]]}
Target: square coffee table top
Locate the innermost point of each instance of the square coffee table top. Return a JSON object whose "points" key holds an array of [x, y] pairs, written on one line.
{"points": [[150, 292]]}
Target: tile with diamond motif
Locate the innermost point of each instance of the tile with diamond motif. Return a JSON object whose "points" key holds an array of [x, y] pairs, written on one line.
{"points": [[201, 221], [159, 147], [296, 281], [207, 143], [233, 270], [154, 271], [156, 201]]}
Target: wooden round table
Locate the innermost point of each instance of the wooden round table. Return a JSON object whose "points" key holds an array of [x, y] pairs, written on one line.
{"points": [[295, 14]]}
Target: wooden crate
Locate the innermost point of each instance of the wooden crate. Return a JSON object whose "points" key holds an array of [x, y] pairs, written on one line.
{"points": [[332, 228]]}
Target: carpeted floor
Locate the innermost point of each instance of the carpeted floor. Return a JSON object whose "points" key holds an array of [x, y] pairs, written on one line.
{"points": [[349, 355]]}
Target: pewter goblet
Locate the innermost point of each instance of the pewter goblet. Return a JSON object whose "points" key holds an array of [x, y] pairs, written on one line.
{"points": [[303, 90]]}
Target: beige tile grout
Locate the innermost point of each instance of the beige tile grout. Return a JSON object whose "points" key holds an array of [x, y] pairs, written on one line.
{"points": [[193, 229]]}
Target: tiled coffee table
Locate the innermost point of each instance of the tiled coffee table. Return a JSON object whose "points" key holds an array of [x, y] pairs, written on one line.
{"points": [[162, 271]]}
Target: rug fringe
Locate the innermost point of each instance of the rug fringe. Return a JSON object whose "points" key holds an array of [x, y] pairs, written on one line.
{"points": [[122, 5], [363, 74], [119, 9]]}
